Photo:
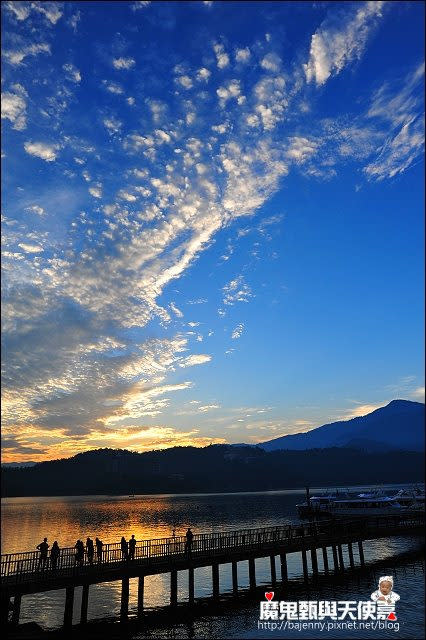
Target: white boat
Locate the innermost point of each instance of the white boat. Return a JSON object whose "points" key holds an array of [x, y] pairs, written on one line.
{"points": [[320, 505], [369, 503], [414, 498], [374, 505]]}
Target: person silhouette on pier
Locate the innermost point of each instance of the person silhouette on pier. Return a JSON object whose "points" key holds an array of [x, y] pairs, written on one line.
{"points": [[188, 544], [99, 545], [132, 547], [54, 555], [124, 548], [79, 554], [90, 550], [43, 547]]}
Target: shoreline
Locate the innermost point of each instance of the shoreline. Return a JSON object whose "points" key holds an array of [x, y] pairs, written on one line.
{"points": [[286, 491]]}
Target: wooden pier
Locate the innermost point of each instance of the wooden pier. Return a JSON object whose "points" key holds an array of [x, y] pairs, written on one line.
{"points": [[23, 573]]}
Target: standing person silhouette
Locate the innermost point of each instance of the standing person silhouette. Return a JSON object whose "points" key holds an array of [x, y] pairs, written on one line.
{"points": [[43, 547], [124, 548], [188, 544], [99, 545], [79, 554], [132, 547], [54, 555], [90, 550]]}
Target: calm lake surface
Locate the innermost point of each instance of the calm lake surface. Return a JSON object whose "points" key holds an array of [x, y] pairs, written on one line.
{"points": [[26, 521]]}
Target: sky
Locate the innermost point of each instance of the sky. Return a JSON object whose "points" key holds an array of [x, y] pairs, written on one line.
{"points": [[213, 220]]}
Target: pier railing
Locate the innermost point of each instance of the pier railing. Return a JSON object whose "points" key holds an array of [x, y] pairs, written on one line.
{"points": [[27, 565]]}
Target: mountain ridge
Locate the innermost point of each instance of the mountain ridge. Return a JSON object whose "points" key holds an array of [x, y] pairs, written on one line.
{"points": [[212, 469], [397, 425]]}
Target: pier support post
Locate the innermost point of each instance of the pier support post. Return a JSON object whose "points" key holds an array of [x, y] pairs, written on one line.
{"points": [[69, 606], [361, 553], [141, 587], [252, 574], [215, 579], [284, 573], [5, 609], [314, 562], [124, 610], [235, 578], [335, 559], [84, 604], [351, 555], [191, 585], [16, 608], [273, 571], [341, 563], [325, 560], [305, 566], [173, 587]]}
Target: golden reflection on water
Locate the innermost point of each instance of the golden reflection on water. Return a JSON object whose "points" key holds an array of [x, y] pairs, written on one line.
{"points": [[27, 521]]}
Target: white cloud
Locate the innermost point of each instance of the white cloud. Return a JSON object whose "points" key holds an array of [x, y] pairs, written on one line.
{"points": [[236, 291], [43, 150], [162, 136], [36, 209], [184, 81], [18, 55], [113, 87], [204, 408], [72, 73], [242, 55], [95, 190], [336, 44], [418, 394], [125, 195], [112, 124], [14, 106], [230, 90], [402, 112], [300, 149], [399, 153], [74, 20], [238, 331], [359, 411], [271, 99], [190, 361], [140, 4], [21, 10], [123, 63], [203, 74], [175, 310], [51, 10], [30, 248], [158, 109], [221, 56], [271, 62]]}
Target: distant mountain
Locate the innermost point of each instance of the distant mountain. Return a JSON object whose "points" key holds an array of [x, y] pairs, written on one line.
{"points": [[216, 468], [17, 465], [399, 425]]}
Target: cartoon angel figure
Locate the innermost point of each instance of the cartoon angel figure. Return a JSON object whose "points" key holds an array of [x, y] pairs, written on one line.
{"points": [[384, 594]]}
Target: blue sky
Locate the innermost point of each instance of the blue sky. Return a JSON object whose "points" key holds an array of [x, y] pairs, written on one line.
{"points": [[212, 217]]}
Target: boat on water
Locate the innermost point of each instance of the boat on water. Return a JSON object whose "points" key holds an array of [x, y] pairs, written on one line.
{"points": [[367, 506], [414, 498], [320, 505], [371, 503]]}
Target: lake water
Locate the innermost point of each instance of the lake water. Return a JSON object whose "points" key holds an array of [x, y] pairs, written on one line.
{"points": [[26, 521]]}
